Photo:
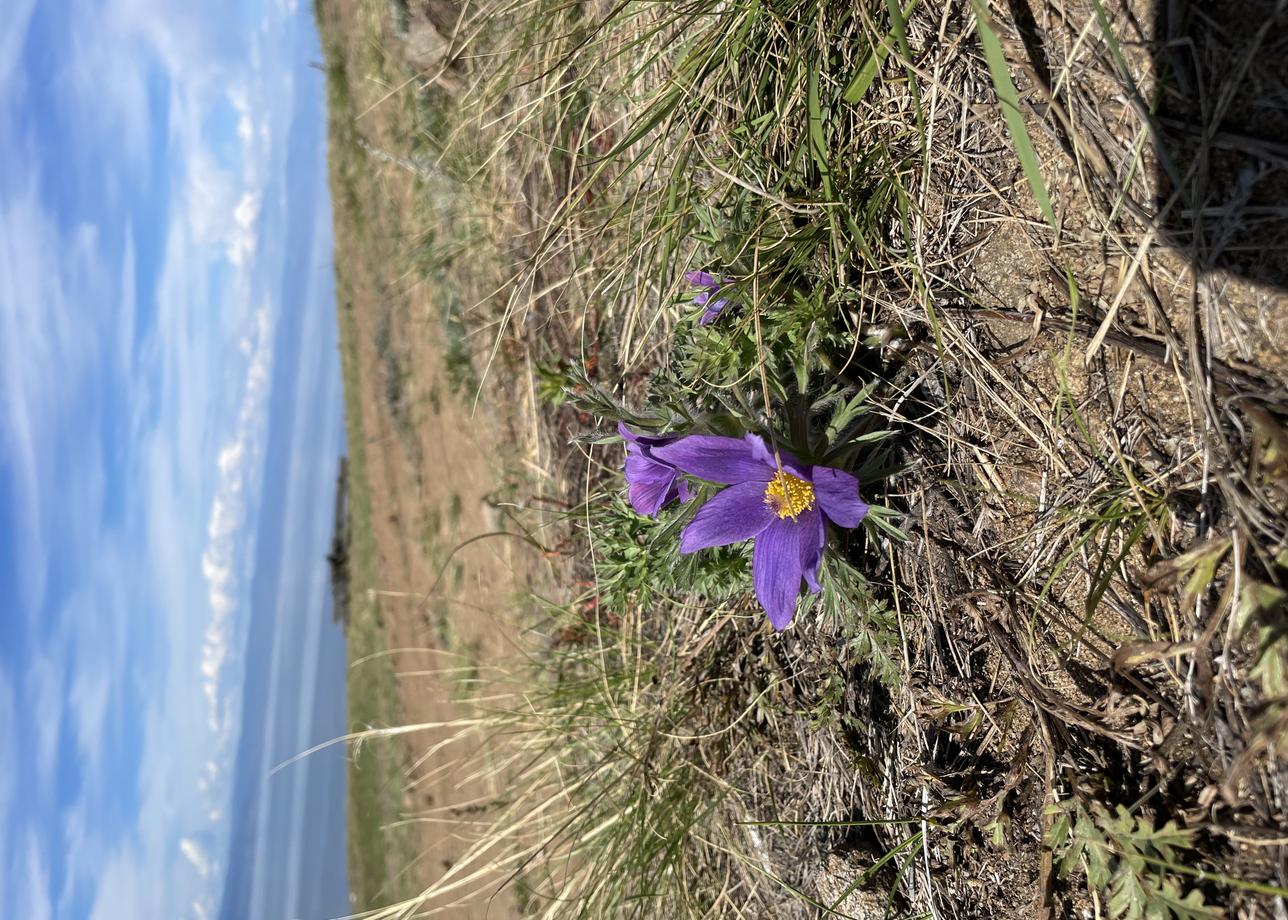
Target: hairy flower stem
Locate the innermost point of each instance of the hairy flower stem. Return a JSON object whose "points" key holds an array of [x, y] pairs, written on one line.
{"points": [[760, 353]]}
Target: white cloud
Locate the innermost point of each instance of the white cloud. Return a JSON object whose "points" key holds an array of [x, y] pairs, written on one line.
{"points": [[91, 687], [211, 198], [127, 308], [47, 361], [122, 890], [33, 883], [193, 852], [15, 17], [239, 461], [106, 81], [222, 204], [244, 239], [186, 38], [247, 210], [28, 358], [62, 354], [80, 853], [194, 459], [8, 778], [44, 695]]}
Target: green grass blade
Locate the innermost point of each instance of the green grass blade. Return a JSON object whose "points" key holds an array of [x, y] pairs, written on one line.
{"points": [[818, 141], [1010, 102], [863, 78], [818, 147], [861, 82], [870, 67]]}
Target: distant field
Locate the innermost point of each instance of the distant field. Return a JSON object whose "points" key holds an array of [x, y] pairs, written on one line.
{"points": [[426, 581], [378, 848]]}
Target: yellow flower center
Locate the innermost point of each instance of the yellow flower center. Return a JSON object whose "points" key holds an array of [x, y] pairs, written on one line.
{"points": [[788, 495]]}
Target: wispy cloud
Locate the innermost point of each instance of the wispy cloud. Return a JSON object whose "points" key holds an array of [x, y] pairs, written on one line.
{"points": [[8, 778], [243, 239], [124, 888], [28, 878], [196, 855], [224, 558], [88, 700], [14, 18], [44, 697], [34, 903], [38, 349]]}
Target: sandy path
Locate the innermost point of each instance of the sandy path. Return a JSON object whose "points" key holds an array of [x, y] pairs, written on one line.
{"points": [[445, 606]]}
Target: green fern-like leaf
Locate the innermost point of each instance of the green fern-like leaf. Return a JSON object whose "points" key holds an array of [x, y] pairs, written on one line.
{"points": [[847, 412], [1128, 858], [1168, 900], [1094, 850], [1127, 896], [1166, 840]]}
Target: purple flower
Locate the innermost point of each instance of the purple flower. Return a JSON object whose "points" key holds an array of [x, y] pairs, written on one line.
{"points": [[782, 509], [710, 288], [651, 483]]}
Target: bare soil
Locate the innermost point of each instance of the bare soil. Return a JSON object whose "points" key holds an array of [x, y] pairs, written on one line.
{"points": [[449, 581], [449, 575]]}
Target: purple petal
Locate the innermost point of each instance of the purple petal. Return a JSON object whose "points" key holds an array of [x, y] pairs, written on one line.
{"points": [[776, 566], [712, 312], [735, 514], [645, 441], [812, 552], [650, 484], [838, 495], [763, 452], [716, 459], [700, 300], [683, 490], [648, 498], [700, 279]]}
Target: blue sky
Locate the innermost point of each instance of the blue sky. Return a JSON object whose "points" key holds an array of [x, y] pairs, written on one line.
{"points": [[165, 276]]}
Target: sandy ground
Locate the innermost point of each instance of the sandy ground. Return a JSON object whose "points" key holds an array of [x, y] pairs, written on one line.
{"points": [[447, 579]]}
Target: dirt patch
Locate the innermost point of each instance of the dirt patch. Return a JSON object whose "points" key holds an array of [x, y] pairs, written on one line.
{"points": [[448, 581], [439, 573]]}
